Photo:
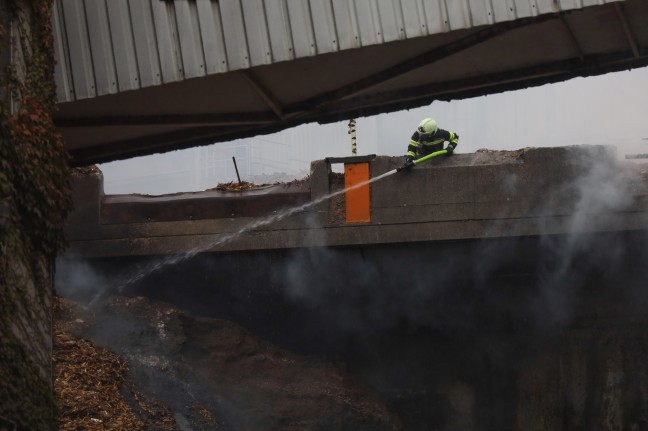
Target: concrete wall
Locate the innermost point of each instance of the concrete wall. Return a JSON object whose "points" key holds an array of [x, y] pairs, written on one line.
{"points": [[481, 195]]}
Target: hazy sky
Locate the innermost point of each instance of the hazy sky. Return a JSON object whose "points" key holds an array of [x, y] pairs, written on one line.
{"points": [[608, 109]]}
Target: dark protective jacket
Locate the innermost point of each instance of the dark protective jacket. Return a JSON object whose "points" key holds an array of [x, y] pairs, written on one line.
{"points": [[421, 144]]}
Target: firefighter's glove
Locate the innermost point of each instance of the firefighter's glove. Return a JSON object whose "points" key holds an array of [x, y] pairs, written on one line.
{"points": [[451, 147], [409, 163]]}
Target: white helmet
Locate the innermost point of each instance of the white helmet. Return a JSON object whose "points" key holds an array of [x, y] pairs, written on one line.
{"points": [[428, 126]]}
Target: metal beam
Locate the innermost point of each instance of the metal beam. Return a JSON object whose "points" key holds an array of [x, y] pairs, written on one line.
{"points": [[245, 118], [627, 31], [572, 36], [477, 86], [264, 93], [437, 54], [166, 141]]}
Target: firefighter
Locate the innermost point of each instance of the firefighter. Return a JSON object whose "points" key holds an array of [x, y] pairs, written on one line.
{"points": [[427, 139]]}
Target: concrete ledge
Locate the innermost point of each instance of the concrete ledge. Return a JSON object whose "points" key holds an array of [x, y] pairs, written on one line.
{"points": [[353, 159], [126, 209]]}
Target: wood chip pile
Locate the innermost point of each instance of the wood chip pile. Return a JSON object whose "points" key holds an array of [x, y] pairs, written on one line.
{"points": [[221, 372], [91, 384], [237, 187]]}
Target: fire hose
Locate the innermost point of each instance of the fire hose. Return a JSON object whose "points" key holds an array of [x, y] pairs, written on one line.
{"points": [[413, 163]]}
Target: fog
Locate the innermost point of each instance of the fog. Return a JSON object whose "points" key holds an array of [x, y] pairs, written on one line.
{"points": [[608, 109]]}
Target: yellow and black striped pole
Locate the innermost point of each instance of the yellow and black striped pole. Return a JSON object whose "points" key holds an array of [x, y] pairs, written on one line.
{"points": [[352, 132]]}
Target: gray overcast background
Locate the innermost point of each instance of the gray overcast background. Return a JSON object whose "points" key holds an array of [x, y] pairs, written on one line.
{"points": [[609, 109]]}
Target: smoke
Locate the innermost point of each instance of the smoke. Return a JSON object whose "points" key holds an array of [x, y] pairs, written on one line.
{"points": [[599, 192], [145, 334], [93, 282], [447, 287], [443, 286], [80, 280], [405, 315], [574, 208], [600, 189]]}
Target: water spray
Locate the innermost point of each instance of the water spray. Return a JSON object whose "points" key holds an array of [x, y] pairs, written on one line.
{"points": [[173, 260]]}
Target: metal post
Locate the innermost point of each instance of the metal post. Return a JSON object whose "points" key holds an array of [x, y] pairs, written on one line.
{"points": [[236, 168]]}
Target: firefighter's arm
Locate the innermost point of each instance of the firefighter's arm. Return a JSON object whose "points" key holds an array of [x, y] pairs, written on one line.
{"points": [[411, 154], [453, 141], [412, 149]]}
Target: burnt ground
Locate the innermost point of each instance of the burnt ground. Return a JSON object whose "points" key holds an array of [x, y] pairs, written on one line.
{"points": [[152, 366]]}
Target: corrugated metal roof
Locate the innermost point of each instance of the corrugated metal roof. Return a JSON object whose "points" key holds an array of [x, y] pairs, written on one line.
{"points": [[109, 46]]}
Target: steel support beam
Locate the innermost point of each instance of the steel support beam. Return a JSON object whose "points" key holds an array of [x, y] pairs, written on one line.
{"points": [[231, 119], [264, 93], [400, 69], [627, 31]]}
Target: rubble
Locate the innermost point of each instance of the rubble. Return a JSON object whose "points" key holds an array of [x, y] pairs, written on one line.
{"points": [[236, 186], [233, 186]]}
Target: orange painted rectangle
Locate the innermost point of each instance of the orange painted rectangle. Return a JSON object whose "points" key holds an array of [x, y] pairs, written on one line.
{"points": [[358, 207]]}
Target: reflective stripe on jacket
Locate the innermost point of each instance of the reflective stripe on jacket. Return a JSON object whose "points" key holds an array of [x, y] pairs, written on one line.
{"points": [[420, 146]]}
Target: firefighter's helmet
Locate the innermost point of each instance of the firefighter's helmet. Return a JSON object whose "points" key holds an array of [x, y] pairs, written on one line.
{"points": [[428, 127]]}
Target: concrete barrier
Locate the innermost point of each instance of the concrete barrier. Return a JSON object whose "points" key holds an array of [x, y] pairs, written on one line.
{"points": [[527, 192]]}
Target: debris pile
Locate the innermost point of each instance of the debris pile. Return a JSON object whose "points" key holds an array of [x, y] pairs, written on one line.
{"points": [[234, 186], [90, 385], [167, 370], [237, 187]]}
